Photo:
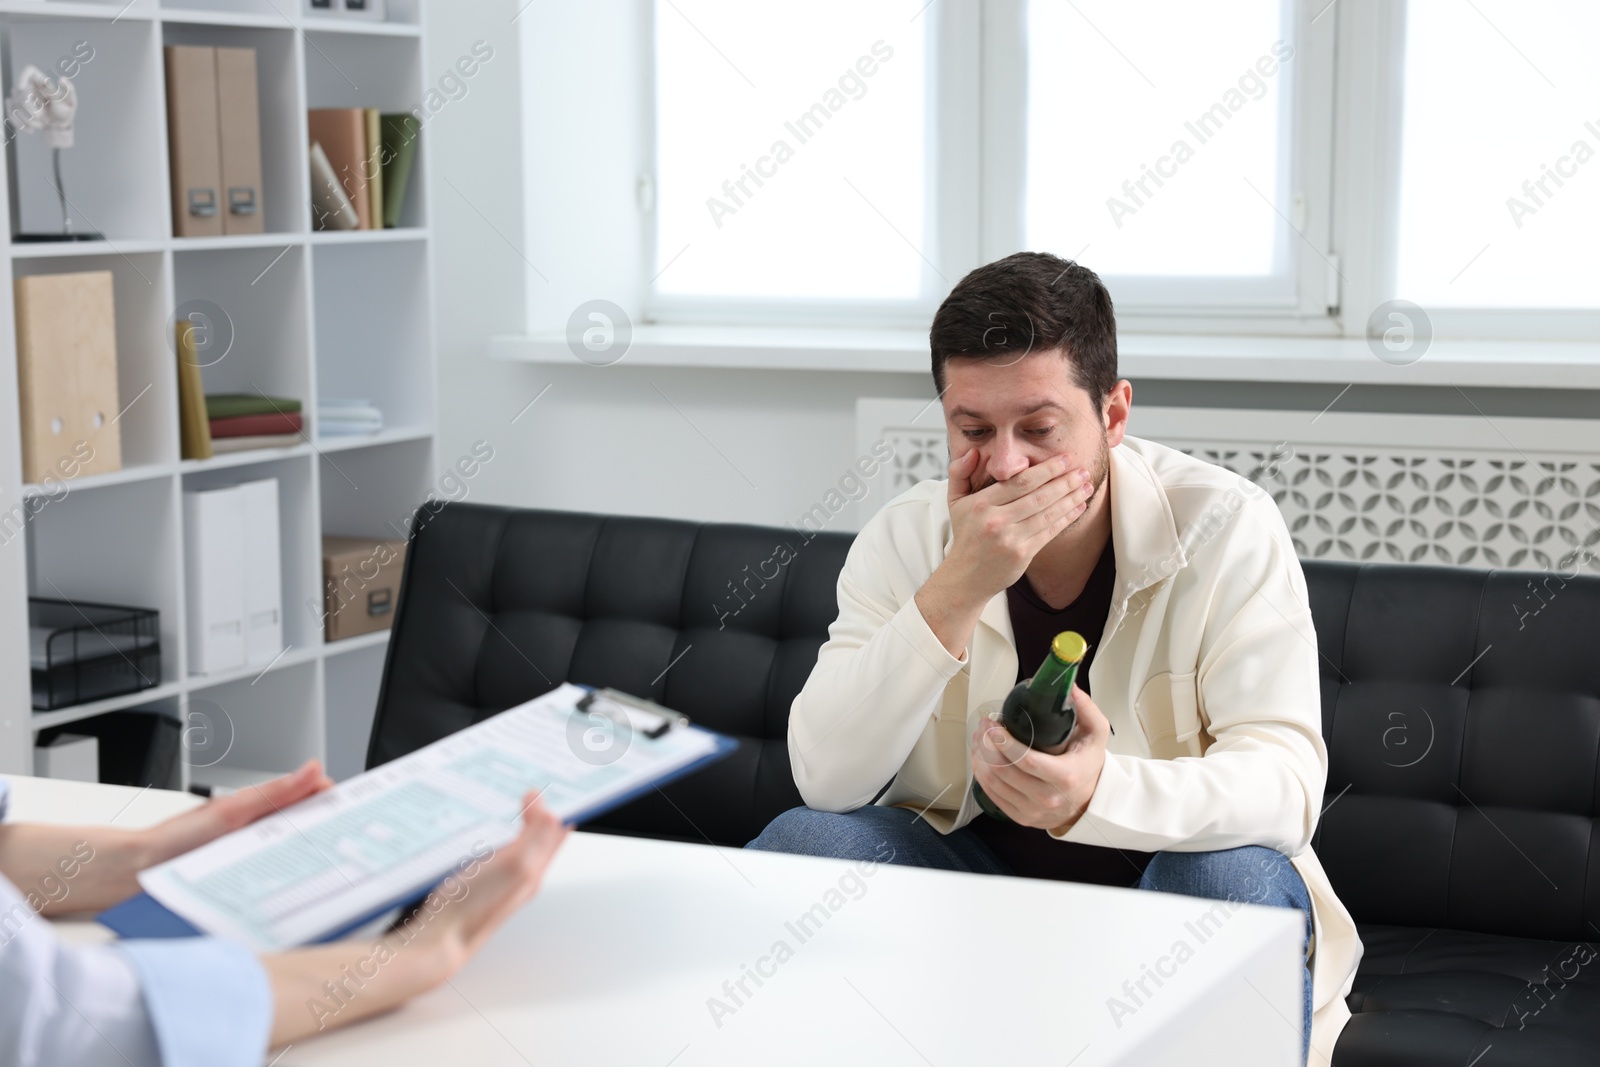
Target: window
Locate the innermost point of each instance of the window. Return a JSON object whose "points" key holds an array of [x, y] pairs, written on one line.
{"points": [[1499, 176], [792, 163], [1164, 159], [1267, 166]]}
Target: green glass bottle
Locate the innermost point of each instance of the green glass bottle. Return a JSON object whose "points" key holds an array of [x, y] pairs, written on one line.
{"points": [[1039, 712]]}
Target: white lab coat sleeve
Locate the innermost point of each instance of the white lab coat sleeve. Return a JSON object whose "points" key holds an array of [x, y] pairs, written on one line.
{"points": [[66, 1006], [209, 1000], [191, 1002]]}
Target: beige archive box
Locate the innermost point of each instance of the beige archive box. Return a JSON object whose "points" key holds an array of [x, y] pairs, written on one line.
{"points": [[194, 141], [214, 135], [239, 129], [67, 375], [361, 584]]}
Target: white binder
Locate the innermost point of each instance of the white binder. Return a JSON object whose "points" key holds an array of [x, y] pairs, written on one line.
{"points": [[213, 567], [263, 589]]}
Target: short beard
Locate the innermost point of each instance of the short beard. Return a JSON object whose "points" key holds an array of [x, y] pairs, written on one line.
{"points": [[1098, 474]]}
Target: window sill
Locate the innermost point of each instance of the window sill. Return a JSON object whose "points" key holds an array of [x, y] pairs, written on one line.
{"points": [[1180, 357]]}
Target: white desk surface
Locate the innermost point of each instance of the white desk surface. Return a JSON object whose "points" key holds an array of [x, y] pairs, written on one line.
{"points": [[618, 958]]}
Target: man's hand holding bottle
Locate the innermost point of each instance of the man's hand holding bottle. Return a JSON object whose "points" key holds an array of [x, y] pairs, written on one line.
{"points": [[1035, 788]]}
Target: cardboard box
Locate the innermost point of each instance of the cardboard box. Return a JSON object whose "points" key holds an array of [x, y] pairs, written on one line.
{"points": [[361, 584]]}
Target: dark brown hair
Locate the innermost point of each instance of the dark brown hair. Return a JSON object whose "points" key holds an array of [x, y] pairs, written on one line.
{"points": [[1030, 302]]}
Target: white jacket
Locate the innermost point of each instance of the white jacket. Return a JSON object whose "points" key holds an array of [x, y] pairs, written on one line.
{"points": [[1207, 671]]}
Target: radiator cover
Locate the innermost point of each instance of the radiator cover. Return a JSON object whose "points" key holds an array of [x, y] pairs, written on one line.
{"points": [[1473, 491]]}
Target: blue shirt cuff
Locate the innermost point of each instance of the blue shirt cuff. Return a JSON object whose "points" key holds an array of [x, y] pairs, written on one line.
{"points": [[208, 1000]]}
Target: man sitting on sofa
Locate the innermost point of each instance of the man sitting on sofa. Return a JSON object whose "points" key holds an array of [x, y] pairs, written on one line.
{"points": [[1204, 772]]}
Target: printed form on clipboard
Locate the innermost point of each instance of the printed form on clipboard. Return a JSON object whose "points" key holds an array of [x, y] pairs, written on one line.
{"points": [[331, 864]]}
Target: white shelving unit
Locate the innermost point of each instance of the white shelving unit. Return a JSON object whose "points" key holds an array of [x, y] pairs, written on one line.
{"points": [[329, 314]]}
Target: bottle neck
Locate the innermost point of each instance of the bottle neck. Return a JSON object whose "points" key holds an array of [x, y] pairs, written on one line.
{"points": [[1055, 675]]}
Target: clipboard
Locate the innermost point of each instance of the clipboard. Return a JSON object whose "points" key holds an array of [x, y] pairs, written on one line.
{"points": [[650, 720], [143, 916]]}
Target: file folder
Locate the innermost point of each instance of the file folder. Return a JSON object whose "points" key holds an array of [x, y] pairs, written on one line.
{"points": [[263, 590], [193, 141], [214, 529], [239, 129]]}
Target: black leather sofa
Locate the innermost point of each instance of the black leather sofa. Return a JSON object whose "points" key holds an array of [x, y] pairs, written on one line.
{"points": [[1461, 710]]}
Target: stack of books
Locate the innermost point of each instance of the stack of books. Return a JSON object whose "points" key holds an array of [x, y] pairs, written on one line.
{"points": [[347, 418], [242, 421], [361, 163]]}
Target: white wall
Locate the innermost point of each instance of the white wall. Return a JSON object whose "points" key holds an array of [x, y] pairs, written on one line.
{"points": [[605, 439], [477, 224], [741, 445]]}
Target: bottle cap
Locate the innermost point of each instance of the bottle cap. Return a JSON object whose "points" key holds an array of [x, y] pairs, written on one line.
{"points": [[1069, 646]]}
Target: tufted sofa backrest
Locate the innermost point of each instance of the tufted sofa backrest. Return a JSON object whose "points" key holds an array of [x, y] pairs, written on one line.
{"points": [[1462, 714], [720, 622]]}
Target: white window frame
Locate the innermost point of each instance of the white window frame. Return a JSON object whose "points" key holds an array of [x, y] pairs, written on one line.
{"points": [[1299, 300], [1367, 178], [950, 227], [1347, 109]]}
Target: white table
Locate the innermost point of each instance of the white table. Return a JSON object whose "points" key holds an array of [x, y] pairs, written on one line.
{"points": [[618, 958]]}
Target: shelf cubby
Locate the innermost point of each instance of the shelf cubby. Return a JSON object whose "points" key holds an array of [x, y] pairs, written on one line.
{"points": [[271, 721], [300, 563], [372, 327], [114, 544], [260, 293], [363, 70], [285, 187], [373, 492], [121, 115], [147, 411]]}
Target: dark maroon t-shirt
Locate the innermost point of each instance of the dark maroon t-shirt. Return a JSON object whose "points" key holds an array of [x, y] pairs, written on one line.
{"points": [[1031, 852]]}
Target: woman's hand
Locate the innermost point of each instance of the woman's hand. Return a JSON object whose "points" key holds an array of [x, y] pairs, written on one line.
{"points": [[222, 815], [504, 883], [419, 954], [87, 868]]}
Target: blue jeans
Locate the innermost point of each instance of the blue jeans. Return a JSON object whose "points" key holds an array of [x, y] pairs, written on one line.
{"points": [[1251, 874]]}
